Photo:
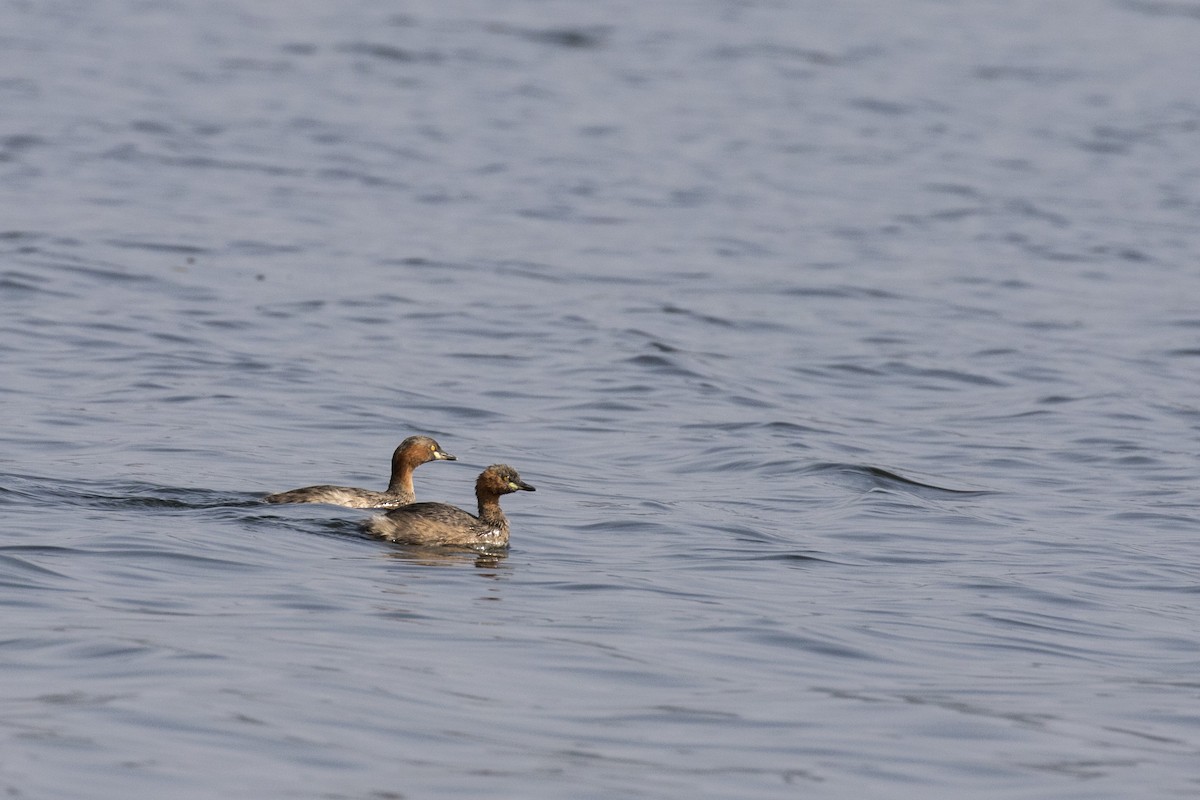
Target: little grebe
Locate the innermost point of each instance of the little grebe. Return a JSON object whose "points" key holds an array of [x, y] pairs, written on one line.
{"points": [[445, 525], [412, 453]]}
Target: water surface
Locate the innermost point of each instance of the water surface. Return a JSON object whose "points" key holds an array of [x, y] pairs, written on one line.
{"points": [[852, 350]]}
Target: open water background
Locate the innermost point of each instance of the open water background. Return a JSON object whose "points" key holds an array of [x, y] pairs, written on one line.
{"points": [[852, 348]]}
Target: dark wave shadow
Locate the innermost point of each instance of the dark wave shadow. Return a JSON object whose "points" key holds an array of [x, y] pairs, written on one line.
{"points": [[879, 478], [117, 494]]}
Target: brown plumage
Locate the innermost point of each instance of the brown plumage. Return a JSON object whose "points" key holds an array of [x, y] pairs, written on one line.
{"points": [[412, 453], [444, 525]]}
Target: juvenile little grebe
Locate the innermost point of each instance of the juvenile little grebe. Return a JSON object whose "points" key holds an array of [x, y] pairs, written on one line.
{"points": [[445, 525], [412, 453]]}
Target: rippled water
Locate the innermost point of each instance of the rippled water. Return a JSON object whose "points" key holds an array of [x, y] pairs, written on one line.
{"points": [[852, 349]]}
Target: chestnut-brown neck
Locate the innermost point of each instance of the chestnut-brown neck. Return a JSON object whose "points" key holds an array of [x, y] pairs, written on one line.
{"points": [[403, 465]]}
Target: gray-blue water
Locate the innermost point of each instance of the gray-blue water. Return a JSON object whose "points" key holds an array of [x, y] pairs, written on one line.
{"points": [[852, 348]]}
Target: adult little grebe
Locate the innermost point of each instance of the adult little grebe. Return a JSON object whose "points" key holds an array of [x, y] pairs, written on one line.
{"points": [[412, 453]]}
